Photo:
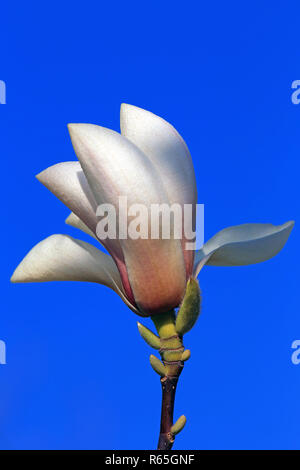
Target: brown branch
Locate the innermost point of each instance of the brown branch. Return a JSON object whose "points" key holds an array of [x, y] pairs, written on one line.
{"points": [[168, 385], [171, 351]]}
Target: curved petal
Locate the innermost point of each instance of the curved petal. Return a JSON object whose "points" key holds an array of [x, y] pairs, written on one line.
{"points": [[165, 148], [115, 167], [243, 244], [68, 183], [76, 222], [169, 153], [63, 258]]}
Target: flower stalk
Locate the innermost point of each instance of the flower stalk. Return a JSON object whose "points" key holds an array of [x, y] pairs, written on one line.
{"points": [[169, 341], [171, 351]]}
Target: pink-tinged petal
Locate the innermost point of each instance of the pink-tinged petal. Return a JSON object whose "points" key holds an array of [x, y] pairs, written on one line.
{"points": [[63, 258], [156, 274], [166, 149], [242, 245], [115, 167], [68, 183]]}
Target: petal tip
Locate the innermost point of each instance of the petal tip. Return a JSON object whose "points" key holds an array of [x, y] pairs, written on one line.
{"points": [[290, 224], [125, 109], [16, 277], [126, 105], [39, 176], [75, 129], [72, 128], [287, 227], [69, 219]]}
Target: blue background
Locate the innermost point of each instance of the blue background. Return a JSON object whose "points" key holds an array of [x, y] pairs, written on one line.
{"points": [[77, 373]]}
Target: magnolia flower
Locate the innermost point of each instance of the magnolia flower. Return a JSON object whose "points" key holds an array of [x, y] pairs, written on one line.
{"points": [[148, 163]]}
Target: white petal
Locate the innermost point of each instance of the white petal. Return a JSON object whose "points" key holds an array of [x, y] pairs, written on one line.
{"points": [[63, 258], [115, 167], [167, 151], [243, 244], [165, 148], [68, 182], [75, 222]]}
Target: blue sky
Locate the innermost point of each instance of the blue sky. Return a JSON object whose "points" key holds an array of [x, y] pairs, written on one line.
{"points": [[77, 373]]}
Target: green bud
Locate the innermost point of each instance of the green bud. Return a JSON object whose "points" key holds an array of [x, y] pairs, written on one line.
{"points": [[186, 355], [148, 336], [179, 425], [158, 367], [190, 307]]}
